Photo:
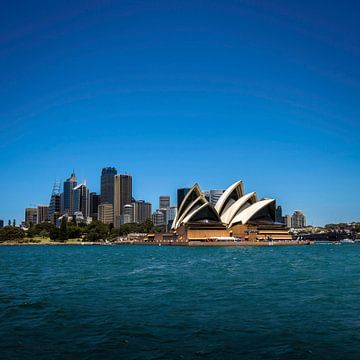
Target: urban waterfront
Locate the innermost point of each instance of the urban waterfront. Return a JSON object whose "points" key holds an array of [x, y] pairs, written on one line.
{"points": [[151, 302]]}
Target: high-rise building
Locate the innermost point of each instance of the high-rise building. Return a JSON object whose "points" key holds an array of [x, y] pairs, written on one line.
{"points": [[158, 218], [42, 214], [164, 201], [170, 216], [181, 193], [122, 195], [298, 219], [214, 195], [142, 211], [67, 206], [30, 216], [1, 223], [55, 203], [105, 213], [107, 185], [81, 200], [278, 215], [287, 221], [127, 217], [95, 201]]}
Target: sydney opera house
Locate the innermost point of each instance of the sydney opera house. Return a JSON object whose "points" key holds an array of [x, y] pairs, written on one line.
{"points": [[235, 215]]}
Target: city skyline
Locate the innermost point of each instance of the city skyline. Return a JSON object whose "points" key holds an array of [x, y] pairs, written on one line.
{"points": [[177, 93]]}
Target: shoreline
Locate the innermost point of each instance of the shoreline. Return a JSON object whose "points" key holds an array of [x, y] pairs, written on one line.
{"points": [[186, 244]]}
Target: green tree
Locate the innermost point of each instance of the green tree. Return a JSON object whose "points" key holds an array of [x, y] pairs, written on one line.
{"points": [[11, 233], [63, 233]]}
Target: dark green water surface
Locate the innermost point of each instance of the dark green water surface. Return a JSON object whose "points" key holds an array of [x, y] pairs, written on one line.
{"points": [[150, 302]]}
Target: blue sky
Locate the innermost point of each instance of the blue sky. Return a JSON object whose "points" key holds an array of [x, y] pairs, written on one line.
{"points": [[177, 92]]}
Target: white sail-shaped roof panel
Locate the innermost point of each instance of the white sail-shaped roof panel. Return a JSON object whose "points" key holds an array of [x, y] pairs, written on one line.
{"points": [[244, 216], [230, 213], [224, 198]]}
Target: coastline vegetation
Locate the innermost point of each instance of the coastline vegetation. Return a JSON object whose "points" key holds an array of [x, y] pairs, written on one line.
{"points": [[71, 232]]}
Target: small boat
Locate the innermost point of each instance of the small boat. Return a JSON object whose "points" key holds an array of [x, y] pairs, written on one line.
{"points": [[347, 241]]}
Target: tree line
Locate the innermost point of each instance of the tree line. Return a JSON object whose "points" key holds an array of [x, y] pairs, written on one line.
{"points": [[96, 231]]}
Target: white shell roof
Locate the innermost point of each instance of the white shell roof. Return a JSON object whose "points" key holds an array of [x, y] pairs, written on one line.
{"points": [[220, 203], [230, 213], [249, 212]]}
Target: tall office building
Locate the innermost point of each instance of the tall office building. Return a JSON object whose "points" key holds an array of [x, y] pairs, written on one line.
{"points": [[287, 221], [158, 218], [67, 206], [30, 216], [164, 201], [55, 203], [170, 216], [298, 219], [42, 214], [213, 196], [106, 213], [127, 217], [181, 193], [81, 200], [142, 211], [95, 201], [278, 215], [122, 195], [107, 185]]}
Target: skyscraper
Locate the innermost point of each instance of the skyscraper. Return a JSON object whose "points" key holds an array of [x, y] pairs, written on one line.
{"points": [[107, 185], [67, 206], [30, 216], [278, 215], [42, 214], [164, 201], [122, 195], [158, 218], [181, 193], [106, 213], [127, 217], [142, 211], [55, 203], [214, 196], [298, 219], [95, 201], [81, 200]]}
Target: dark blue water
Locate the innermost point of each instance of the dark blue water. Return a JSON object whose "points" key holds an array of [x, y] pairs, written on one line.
{"points": [[144, 302]]}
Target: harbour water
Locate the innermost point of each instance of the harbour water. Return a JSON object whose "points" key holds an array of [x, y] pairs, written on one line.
{"points": [[151, 302]]}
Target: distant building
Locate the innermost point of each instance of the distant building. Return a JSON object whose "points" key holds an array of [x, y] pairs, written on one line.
{"points": [[278, 214], [212, 196], [55, 203], [67, 206], [105, 213], [95, 201], [122, 195], [181, 193], [42, 214], [107, 185], [164, 201], [1, 223], [30, 216], [81, 200], [287, 221], [170, 215], [158, 218], [54, 207], [142, 211], [127, 217], [298, 219]]}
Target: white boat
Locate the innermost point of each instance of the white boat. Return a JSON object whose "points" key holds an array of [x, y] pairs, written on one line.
{"points": [[347, 241]]}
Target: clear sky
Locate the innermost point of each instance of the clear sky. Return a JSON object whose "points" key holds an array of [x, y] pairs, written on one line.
{"points": [[177, 92]]}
